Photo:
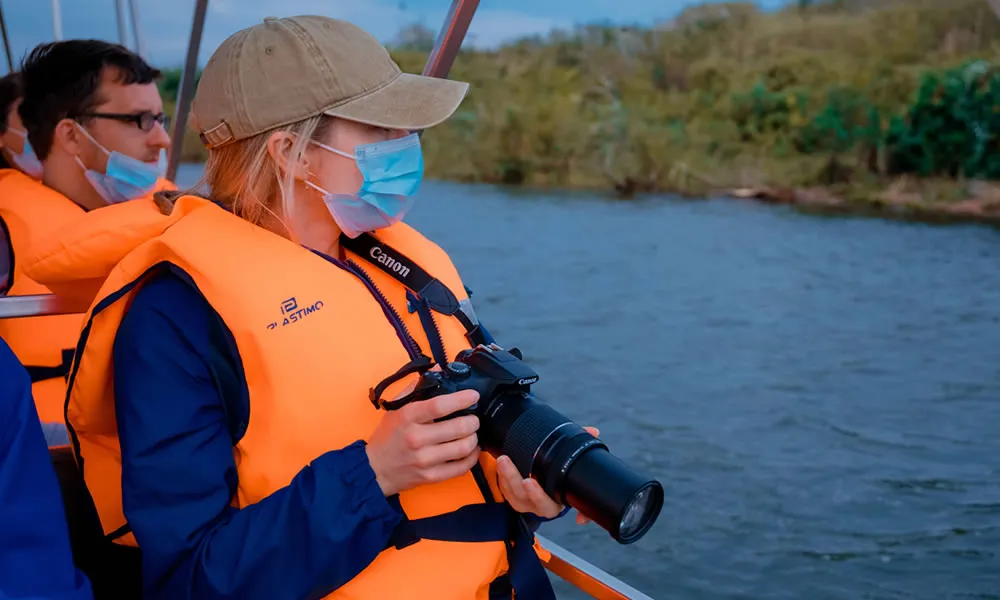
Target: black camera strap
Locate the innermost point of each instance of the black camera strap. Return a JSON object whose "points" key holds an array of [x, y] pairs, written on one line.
{"points": [[400, 267], [421, 365], [430, 328], [491, 521]]}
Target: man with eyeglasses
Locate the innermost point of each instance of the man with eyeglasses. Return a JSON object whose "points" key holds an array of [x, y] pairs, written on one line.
{"points": [[95, 121]]}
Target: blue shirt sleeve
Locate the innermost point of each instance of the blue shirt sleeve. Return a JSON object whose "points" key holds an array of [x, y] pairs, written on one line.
{"points": [[35, 556], [179, 415]]}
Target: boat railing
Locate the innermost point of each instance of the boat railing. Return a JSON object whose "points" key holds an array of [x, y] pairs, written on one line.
{"points": [[580, 573]]}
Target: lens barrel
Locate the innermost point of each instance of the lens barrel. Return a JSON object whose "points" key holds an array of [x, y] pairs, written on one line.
{"points": [[570, 464]]}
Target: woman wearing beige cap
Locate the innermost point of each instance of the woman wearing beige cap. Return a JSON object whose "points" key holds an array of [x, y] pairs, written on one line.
{"points": [[232, 400]]}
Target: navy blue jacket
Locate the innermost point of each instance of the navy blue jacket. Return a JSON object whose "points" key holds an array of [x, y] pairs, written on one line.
{"points": [[182, 403], [35, 557]]}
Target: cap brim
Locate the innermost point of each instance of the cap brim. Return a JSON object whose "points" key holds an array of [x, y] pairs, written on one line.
{"points": [[410, 102]]}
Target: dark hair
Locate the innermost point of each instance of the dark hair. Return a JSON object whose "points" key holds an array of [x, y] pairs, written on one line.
{"points": [[61, 81], [11, 88]]}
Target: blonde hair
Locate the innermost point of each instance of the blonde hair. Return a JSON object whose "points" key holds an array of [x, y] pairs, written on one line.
{"points": [[244, 178]]}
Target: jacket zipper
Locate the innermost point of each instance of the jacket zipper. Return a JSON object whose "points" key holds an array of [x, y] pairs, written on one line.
{"points": [[412, 348], [411, 344]]}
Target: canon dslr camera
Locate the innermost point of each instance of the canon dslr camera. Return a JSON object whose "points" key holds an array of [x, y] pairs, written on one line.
{"points": [[572, 466]]}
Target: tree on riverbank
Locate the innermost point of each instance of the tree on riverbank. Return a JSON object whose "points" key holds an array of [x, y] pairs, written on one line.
{"points": [[824, 92]]}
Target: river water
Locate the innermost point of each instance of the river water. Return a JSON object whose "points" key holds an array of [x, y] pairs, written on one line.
{"points": [[819, 396]]}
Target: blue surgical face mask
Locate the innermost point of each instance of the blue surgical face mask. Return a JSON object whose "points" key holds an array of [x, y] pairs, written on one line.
{"points": [[26, 162], [392, 172], [125, 178]]}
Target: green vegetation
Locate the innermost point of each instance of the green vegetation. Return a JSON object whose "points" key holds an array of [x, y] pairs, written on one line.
{"points": [[845, 94]]}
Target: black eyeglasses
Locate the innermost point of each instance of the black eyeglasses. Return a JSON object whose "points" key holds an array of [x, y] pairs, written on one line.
{"points": [[143, 120]]}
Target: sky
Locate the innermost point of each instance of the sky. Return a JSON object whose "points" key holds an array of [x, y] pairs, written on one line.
{"points": [[165, 24]]}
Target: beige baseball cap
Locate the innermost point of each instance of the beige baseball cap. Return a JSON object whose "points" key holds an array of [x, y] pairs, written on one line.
{"points": [[282, 71]]}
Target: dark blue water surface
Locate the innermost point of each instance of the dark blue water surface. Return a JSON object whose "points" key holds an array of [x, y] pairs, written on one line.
{"points": [[820, 397]]}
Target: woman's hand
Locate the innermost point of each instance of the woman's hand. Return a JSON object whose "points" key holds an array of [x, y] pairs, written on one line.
{"points": [[526, 495], [409, 449]]}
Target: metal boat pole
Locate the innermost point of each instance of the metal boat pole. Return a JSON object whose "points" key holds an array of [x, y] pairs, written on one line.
{"points": [[186, 92], [57, 33], [450, 38], [120, 14], [140, 44], [587, 577], [13, 307], [6, 41]]}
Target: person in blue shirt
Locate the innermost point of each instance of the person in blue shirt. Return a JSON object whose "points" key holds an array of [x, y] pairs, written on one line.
{"points": [[174, 353], [179, 371], [35, 557]]}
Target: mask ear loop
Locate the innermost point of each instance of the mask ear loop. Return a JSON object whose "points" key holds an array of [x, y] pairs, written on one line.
{"points": [[308, 183], [327, 199], [312, 175], [334, 150], [24, 136], [86, 133]]}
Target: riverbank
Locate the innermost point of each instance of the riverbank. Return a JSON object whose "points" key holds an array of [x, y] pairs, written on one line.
{"points": [[874, 106], [908, 199], [904, 200]]}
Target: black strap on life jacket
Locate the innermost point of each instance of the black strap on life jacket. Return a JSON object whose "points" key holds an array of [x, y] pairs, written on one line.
{"points": [[40, 373], [490, 522], [471, 523], [400, 267]]}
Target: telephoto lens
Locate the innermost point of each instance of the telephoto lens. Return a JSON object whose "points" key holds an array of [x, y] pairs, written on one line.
{"points": [[572, 466]]}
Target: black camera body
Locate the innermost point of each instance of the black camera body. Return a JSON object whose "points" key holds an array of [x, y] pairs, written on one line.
{"points": [[569, 463], [490, 370]]}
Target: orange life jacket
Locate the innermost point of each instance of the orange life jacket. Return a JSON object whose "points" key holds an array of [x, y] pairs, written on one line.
{"points": [[314, 339], [34, 213], [30, 211]]}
